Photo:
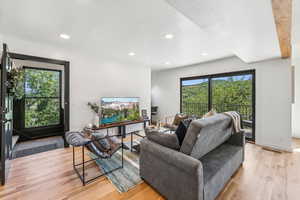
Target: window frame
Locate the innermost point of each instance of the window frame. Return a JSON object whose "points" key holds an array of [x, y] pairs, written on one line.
{"points": [[59, 97]]}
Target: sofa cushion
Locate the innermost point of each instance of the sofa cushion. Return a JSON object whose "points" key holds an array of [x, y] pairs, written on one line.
{"points": [[206, 134], [218, 167], [164, 139]]}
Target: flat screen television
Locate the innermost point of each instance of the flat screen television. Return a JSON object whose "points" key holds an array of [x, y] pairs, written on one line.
{"points": [[119, 109]]}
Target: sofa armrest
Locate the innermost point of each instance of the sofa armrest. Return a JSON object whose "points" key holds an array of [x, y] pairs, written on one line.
{"points": [[237, 139], [174, 174]]}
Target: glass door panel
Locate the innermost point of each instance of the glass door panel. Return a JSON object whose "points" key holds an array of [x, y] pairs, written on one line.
{"points": [[194, 96], [234, 93], [42, 100]]}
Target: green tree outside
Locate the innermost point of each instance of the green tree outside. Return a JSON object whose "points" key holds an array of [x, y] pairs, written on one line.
{"points": [[42, 97], [229, 93]]}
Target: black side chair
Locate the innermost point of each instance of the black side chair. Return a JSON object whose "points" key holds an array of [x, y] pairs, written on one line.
{"points": [[95, 146]]}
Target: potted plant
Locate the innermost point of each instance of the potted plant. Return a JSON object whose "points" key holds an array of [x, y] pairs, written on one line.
{"points": [[96, 108], [15, 79]]}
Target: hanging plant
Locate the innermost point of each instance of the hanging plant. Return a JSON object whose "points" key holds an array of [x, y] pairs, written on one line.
{"points": [[16, 82]]}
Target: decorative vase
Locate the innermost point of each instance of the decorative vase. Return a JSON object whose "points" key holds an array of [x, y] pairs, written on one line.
{"points": [[96, 120]]}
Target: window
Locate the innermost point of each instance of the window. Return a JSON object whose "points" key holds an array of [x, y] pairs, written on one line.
{"points": [[194, 96], [222, 92], [233, 93], [42, 102]]}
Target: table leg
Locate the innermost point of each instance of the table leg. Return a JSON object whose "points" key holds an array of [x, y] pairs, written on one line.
{"points": [[131, 141]]}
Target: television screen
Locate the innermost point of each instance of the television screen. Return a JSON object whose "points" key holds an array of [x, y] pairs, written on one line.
{"points": [[118, 109]]}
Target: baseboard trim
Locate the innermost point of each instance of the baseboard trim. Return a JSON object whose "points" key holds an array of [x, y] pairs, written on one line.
{"points": [[272, 149], [276, 148]]}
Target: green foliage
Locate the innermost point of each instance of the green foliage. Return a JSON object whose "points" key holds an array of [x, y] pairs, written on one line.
{"points": [[42, 97], [41, 112], [16, 79], [41, 83], [227, 95]]}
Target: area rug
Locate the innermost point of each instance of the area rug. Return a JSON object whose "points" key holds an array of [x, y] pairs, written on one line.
{"points": [[30, 147], [125, 178]]}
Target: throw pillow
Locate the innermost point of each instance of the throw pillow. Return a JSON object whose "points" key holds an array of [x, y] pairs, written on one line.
{"points": [[182, 129], [178, 118], [210, 113]]}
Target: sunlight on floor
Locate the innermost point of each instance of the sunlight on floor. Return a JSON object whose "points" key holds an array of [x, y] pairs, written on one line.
{"points": [[296, 150]]}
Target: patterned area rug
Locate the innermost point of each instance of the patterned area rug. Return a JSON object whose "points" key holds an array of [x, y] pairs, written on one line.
{"points": [[125, 178]]}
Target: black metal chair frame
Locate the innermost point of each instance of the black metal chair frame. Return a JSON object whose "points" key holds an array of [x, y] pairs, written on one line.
{"points": [[82, 164]]}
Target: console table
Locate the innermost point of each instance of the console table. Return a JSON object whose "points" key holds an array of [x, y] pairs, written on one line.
{"points": [[122, 129], [122, 126]]}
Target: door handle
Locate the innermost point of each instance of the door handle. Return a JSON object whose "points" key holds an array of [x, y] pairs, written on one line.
{"points": [[4, 121]]}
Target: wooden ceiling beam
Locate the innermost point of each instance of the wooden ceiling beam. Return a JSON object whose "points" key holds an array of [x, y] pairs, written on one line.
{"points": [[282, 11]]}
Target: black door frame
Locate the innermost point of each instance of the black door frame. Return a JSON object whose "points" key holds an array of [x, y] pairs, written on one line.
{"points": [[66, 64], [235, 73], [22, 106], [6, 135]]}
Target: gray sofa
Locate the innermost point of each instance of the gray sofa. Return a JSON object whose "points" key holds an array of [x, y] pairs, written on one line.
{"points": [[208, 157]]}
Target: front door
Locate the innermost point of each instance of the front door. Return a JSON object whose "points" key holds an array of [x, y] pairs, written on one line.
{"points": [[5, 116]]}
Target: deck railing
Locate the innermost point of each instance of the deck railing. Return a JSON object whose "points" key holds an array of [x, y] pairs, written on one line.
{"points": [[199, 109]]}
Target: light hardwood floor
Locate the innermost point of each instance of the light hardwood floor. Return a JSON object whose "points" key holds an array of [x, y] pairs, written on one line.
{"points": [[265, 175]]}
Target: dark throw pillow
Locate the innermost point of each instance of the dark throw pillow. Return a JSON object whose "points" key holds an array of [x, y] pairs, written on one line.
{"points": [[182, 129]]}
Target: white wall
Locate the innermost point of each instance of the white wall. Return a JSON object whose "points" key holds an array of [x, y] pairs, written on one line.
{"points": [[273, 95], [296, 63], [92, 78], [296, 105]]}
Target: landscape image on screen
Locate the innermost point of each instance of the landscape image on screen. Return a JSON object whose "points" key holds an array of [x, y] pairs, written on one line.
{"points": [[118, 109]]}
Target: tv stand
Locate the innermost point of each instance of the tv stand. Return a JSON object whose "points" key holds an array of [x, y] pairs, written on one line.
{"points": [[122, 126]]}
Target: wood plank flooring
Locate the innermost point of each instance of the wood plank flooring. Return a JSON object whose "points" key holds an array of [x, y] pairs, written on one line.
{"points": [[265, 175]]}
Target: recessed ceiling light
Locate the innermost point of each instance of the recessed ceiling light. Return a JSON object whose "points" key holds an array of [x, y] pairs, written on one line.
{"points": [[204, 54], [131, 54], [64, 36], [167, 63], [169, 36]]}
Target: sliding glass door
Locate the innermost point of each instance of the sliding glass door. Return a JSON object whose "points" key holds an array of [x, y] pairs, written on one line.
{"points": [[222, 92]]}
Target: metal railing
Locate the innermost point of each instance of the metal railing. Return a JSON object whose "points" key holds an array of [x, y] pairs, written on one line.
{"points": [[199, 109]]}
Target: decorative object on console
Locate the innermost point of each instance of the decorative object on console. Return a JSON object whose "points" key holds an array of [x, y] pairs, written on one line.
{"points": [[96, 108], [144, 114]]}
